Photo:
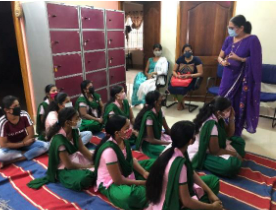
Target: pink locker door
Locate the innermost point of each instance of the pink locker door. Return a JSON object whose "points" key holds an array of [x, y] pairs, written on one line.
{"points": [[70, 85], [61, 16], [65, 65], [93, 40], [103, 93], [115, 20], [117, 75], [65, 41], [94, 60], [92, 18], [97, 78], [115, 39], [116, 57]]}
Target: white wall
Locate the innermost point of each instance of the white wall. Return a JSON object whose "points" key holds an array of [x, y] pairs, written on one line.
{"points": [[168, 29], [262, 16]]}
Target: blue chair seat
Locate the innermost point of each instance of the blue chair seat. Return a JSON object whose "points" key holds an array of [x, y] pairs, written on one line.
{"points": [[268, 97], [213, 90]]}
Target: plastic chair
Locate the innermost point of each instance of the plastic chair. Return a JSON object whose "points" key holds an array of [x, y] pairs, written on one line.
{"points": [[269, 77], [211, 81], [191, 107]]}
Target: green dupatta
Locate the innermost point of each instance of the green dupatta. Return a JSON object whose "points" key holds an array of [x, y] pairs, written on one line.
{"points": [[53, 162], [205, 136], [39, 126], [172, 198], [93, 104], [113, 107], [126, 165], [157, 127]]}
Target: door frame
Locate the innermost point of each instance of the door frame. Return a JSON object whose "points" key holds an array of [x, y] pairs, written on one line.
{"points": [[20, 38], [178, 25]]}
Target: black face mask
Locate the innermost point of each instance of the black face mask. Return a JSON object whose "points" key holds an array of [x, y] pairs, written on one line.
{"points": [[16, 111], [91, 90], [188, 54]]}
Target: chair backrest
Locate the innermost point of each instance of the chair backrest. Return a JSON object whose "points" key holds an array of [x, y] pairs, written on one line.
{"points": [[269, 74], [220, 71]]}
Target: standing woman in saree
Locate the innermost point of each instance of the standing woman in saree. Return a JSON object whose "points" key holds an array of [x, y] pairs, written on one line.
{"points": [[118, 105], [90, 107], [154, 65], [241, 56]]}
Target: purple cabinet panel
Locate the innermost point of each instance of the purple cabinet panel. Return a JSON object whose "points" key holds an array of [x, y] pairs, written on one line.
{"points": [[98, 79], [93, 40], [117, 75], [61, 16], [65, 65], [115, 39], [94, 60], [103, 94], [65, 41], [115, 20], [116, 57], [92, 18], [70, 85]]}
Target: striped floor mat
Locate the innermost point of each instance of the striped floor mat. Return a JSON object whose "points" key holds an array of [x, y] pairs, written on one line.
{"points": [[253, 189]]}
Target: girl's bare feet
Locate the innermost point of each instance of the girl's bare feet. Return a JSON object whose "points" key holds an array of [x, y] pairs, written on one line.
{"points": [[180, 106]]}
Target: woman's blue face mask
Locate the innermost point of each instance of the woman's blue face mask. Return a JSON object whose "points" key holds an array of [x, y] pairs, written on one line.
{"points": [[232, 32]]}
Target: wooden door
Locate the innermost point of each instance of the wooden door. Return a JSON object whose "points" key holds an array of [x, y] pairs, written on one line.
{"points": [[152, 21], [203, 25]]}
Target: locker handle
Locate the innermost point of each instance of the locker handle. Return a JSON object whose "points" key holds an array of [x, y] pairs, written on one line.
{"points": [[109, 19], [58, 66], [109, 41], [112, 76], [53, 16], [55, 42], [86, 18], [85, 42], [88, 61]]}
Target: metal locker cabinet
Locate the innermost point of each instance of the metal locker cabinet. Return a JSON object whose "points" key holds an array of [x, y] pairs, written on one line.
{"points": [[115, 39], [92, 18], [97, 78], [103, 93], [117, 75], [93, 40], [63, 16], [65, 41], [116, 57], [70, 85], [65, 65], [115, 20], [94, 60]]}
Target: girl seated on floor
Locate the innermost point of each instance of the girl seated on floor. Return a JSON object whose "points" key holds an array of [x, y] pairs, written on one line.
{"points": [[114, 167], [17, 140], [151, 141], [69, 160], [118, 104], [172, 182], [90, 107], [50, 91], [216, 149], [61, 101]]}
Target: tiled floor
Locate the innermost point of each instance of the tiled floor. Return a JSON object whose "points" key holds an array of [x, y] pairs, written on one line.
{"points": [[263, 142]]}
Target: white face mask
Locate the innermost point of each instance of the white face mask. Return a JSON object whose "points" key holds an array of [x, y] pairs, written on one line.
{"points": [[157, 53], [68, 104], [78, 124]]}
